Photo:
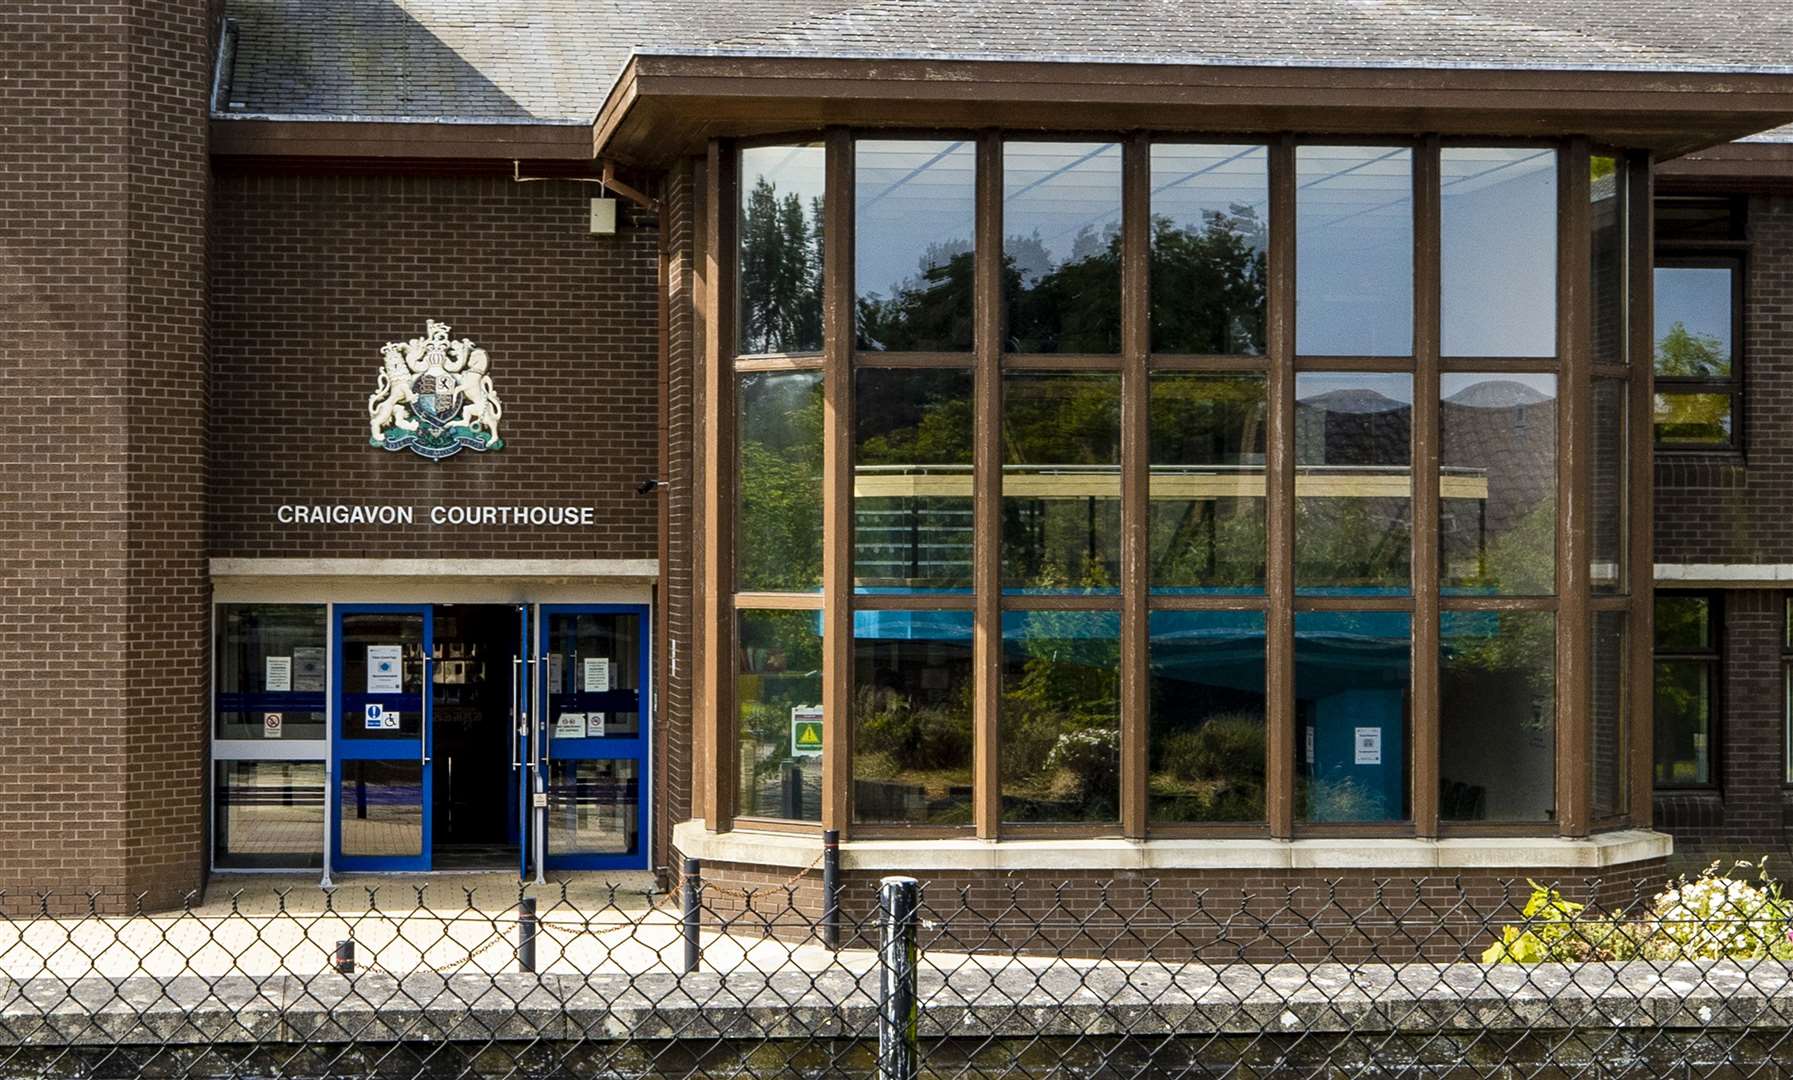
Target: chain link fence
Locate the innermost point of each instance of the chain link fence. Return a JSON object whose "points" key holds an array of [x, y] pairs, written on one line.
{"points": [[1415, 977]]}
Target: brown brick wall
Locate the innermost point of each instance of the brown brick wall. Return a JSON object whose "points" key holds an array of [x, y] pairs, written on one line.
{"points": [[313, 273], [678, 584], [103, 311], [1258, 915]]}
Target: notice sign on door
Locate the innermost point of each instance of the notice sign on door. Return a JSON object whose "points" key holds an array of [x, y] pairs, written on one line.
{"points": [[308, 668], [279, 674], [385, 669], [271, 723], [597, 675], [806, 730], [1369, 746], [569, 725]]}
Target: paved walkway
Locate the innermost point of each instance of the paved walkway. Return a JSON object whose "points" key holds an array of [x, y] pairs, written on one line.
{"points": [[450, 923]]}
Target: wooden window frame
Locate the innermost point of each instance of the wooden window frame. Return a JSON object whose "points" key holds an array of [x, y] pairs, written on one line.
{"points": [[1572, 602]]}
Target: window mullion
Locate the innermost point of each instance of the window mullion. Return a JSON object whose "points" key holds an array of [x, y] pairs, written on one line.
{"points": [[987, 490], [837, 477], [1426, 344], [1136, 194], [1574, 648], [1279, 467]]}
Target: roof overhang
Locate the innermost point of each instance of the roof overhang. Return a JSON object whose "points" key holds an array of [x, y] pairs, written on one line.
{"points": [[1740, 166], [666, 105]]}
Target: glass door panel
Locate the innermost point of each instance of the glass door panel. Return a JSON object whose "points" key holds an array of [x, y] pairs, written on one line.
{"points": [[593, 735], [382, 769]]}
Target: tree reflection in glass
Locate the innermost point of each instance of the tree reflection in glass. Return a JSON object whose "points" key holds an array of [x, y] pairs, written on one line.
{"points": [[1207, 482], [1206, 750], [1061, 506], [780, 269], [1497, 484], [914, 220], [778, 524], [1060, 737], [912, 741], [1209, 235], [778, 681], [1061, 251]]}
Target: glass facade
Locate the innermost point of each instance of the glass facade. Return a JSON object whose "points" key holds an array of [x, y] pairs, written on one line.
{"points": [[268, 815], [780, 261], [269, 672], [1114, 482]]}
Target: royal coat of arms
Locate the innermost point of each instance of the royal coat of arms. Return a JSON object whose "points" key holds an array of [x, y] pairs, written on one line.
{"points": [[434, 397]]}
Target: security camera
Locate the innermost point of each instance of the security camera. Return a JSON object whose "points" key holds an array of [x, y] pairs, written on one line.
{"points": [[648, 487]]}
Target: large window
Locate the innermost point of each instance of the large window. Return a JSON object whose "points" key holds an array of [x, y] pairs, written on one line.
{"points": [[1156, 486], [1687, 677]]}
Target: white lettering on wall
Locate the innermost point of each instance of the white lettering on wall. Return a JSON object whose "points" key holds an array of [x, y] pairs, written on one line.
{"points": [[471, 516]]}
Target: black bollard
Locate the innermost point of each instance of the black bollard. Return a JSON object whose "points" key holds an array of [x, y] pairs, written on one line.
{"points": [[831, 888], [898, 1008], [526, 926], [691, 894], [344, 959]]}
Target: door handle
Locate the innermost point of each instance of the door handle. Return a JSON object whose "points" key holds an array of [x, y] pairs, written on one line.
{"points": [[423, 719], [516, 761]]}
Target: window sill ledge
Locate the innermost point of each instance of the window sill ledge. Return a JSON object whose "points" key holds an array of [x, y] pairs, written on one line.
{"points": [[695, 840]]}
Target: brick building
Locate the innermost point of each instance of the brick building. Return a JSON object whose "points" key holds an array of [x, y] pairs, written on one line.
{"points": [[1026, 440]]}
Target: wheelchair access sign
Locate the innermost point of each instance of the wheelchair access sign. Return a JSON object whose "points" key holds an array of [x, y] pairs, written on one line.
{"points": [[806, 731]]}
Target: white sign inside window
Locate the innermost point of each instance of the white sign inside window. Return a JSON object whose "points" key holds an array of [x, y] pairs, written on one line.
{"points": [[594, 725], [308, 668], [569, 725], [271, 724], [1369, 746], [597, 675], [385, 669], [279, 678]]}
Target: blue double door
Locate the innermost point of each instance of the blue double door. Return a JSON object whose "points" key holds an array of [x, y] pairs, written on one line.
{"points": [[480, 735]]}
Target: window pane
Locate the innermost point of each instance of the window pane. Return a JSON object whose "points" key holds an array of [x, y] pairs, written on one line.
{"points": [[1693, 321], [1497, 716], [912, 480], [1497, 484], [1352, 706], [1060, 730], [1206, 753], [1607, 190], [1354, 251], [914, 227], [1207, 482], [1353, 483], [778, 697], [1700, 219], [781, 249], [778, 526], [269, 815], [382, 808], [1210, 213], [270, 663], [1499, 251], [1061, 506], [1612, 739], [594, 807], [1683, 722], [912, 737], [1611, 484], [1683, 623], [1061, 249], [1684, 419]]}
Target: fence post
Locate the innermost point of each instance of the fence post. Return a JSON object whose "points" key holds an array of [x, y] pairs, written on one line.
{"points": [[691, 891], [898, 1008], [526, 935], [831, 888], [344, 960]]}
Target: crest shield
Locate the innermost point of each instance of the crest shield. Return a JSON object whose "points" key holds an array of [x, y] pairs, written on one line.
{"points": [[435, 397]]}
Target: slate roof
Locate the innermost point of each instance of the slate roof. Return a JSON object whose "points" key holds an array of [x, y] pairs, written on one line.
{"points": [[553, 61]]}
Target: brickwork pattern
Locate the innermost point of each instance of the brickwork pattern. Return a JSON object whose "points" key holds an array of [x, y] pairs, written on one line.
{"points": [[103, 310], [677, 583], [1257, 913], [313, 273]]}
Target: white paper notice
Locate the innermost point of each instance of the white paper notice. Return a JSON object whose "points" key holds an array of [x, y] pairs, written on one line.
{"points": [[279, 674], [554, 670], [1369, 746], [594, 725], [271, 724], [1310, 746], [385, 669], [597, 675], [569, 725]]}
